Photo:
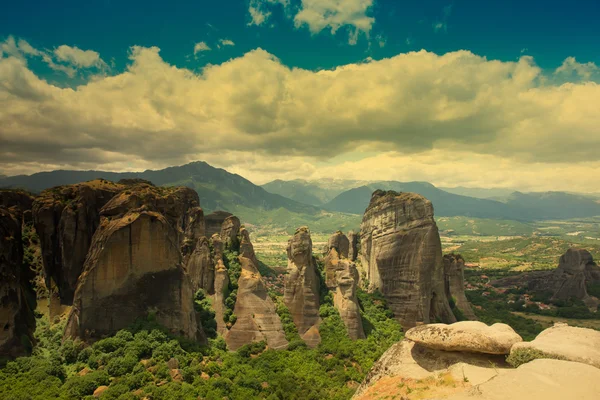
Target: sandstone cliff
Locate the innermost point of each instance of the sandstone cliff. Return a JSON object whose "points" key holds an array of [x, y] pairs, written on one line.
{"points": [[301, 287], [454, 274], [257, 318], [221, 283], [402, 257], [229, 232], [65, 219], [214, 222], [342, 279], [200, 267], [353, 249], [134, 265], [17, 300], [576, 269]]}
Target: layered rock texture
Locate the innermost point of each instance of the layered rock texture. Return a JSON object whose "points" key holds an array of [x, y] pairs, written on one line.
{"points": [[567, 343], [402, 257], [257, 318], [214, 222], [65, 219], [470, 336], [17, 301], [353, 240], [301, 292], [576, 270], [229, 232], [134, 265], [341, 277], [454, 277]]}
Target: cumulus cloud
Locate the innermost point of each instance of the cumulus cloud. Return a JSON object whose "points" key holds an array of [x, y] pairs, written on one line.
{"points": [[77, 57], [200, 47], [571, 67], [319, 15], [225, 42], [333, 14], [417, 108]]}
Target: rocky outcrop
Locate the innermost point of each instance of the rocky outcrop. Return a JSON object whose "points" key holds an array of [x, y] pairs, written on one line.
{"points": [[576, 269], [257, 318], [567, 343], [229, 232], [540, 379], [194, 230], [341, 276], [65, 219], [454, 281], [17, 301], [340, 243], [214, 222], [18, 202], [221, 283], [301, 288], [200, 267], [402, 257], [134, 266], [353, 245], [470, 336]]}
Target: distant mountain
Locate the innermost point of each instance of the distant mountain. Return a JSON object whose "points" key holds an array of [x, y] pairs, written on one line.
{"points": [[480, 193], [314, 192], [445, 204], [555, 205], [217, 188]]}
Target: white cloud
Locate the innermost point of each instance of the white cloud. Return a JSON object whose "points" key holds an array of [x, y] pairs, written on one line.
{"points": [[472, 119], [442, 25], [318, 15], [259, 10], [571, 67], [77, 57], [225, 42], [200, 47]]}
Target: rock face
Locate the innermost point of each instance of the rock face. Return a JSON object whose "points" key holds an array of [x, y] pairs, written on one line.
{"points": [[541, 379], [301, 293], [229, 232], [568, 343], [353, 245], [402, 257], [194, 230], [341, 276], [454, 276], [65, 219], [17, 301], [471, 336], [257, 318], [221, 283], [18, 202], [200, 267], [134, 266], [576, 269], [340, 242], [214, 222]]}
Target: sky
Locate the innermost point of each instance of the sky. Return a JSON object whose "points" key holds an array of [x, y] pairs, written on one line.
{"points": [[500, 94]]}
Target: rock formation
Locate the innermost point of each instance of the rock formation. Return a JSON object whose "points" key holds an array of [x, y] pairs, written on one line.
{"points": [[402, 257], [65, 219], [257, 318], [18, 202], [301, 292], [341, 276], [353, 242], [214, 222], [221, 283], [576, 269], [200, 267], [229, 232], [194, 230], [567, 343], [134, 265], [17, 301], [470, 336], [454, 277]]}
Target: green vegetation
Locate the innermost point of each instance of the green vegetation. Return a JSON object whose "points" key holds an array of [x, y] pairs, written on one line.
{"points": [[523, 356], [493, 309]]}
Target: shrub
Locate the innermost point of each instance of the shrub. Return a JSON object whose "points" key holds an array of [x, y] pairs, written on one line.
{"points": [[522, 356]]}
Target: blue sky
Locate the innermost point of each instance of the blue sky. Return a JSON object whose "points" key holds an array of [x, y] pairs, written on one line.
{"points": [[549, 31], [457, 93]]}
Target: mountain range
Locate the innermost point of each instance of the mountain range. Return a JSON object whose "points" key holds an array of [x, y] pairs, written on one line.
{"points": [[326, 204]]}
